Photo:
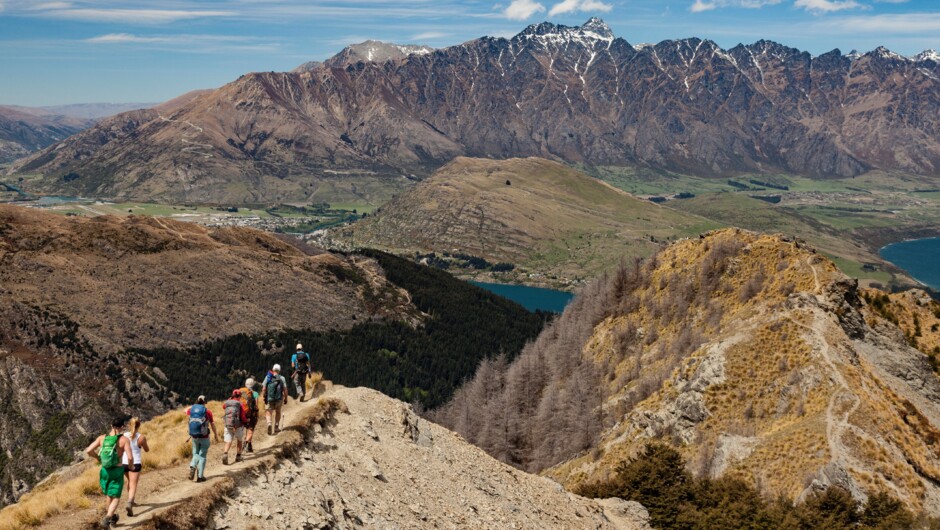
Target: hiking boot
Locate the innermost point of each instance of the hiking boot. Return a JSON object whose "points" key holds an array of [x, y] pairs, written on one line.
{"points": [[238, 458], [225, 459], [249, 448], [114, 518], [130, 509], [106, 523], [201, 479], [192, 472], [270, 431]]}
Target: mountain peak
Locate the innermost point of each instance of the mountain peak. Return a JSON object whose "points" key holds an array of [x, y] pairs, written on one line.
{"points": [[927, 55], [592, 31], [599, 27]]}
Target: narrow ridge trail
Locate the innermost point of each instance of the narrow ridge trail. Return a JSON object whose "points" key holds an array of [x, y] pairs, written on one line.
{"points": [[166, 488]]}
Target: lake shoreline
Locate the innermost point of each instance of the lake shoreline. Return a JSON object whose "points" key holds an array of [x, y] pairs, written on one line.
{"points": [[917, 258]]}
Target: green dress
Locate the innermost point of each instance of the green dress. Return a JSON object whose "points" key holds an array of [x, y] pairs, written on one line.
{"points": [[111, 476]]}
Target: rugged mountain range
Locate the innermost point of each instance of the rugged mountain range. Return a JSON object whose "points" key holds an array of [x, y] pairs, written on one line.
{"points": [[751, 354], [576, 94], [76, 294]]}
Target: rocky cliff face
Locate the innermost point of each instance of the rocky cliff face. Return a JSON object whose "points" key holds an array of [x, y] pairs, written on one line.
{"points": [[381, 466], [576, 94], [751, 354], [76, 293]]}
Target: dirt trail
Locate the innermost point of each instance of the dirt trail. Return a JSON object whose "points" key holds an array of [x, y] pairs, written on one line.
{"points": [[163, 489], [836, 423]]}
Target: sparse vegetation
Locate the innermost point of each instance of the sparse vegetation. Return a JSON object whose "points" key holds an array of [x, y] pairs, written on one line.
{"points": [[658, 479]]}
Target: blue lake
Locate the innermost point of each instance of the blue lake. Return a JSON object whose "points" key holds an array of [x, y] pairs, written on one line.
{"points": [[919, 257], [531, 298]]}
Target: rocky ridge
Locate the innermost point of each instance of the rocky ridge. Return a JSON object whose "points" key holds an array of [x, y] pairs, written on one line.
{"points": [[752, 354], [575, 94], [381, 466]]}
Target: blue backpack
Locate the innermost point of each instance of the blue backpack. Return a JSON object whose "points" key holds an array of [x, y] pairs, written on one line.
{"points": [[198, 423]]}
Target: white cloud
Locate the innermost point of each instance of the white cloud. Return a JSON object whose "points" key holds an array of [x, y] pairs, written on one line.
{"points": [[905, 24], [522, 9], [141, 16], [827, 6], [430, 35], [120, 38], [571, 6], [705, 5]]}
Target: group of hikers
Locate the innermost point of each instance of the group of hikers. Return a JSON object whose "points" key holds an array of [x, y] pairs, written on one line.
{"points": [[120, 451]]}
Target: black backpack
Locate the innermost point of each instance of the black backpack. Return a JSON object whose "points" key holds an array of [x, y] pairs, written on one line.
{"points": [[303, 361]]}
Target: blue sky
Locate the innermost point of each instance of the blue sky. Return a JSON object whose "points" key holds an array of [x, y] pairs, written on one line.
{"points": [[71, 51]]}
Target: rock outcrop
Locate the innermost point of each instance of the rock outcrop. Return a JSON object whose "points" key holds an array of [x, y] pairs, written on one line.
{"points": [[381, 466]]}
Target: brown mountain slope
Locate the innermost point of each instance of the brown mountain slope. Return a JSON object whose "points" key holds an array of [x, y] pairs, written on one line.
{"points": [[538, 214], [24, 131], [75, 293], [750, 353], [576, 94]]}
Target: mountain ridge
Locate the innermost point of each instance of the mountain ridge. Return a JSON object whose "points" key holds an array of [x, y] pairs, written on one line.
{"points": [[574, 94], [751, 354]]}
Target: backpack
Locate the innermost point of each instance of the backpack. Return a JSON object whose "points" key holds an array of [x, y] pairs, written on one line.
{"points": [[303, 362], [248, 399], [109, 453], [198, 422], [275, 388], [233, 414]]}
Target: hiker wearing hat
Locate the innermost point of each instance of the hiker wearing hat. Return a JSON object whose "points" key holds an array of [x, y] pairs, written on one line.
{"points": [[236, 417], [301, 363], [274, 392], [109, 449], [200, 422], [250, 400]]}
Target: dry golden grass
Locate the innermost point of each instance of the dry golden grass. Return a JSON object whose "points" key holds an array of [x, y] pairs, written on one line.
{"points": [[169, 445]]}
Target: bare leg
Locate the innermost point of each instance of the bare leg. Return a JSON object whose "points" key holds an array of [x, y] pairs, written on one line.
{"points": [[113, 505], [132, 486]]}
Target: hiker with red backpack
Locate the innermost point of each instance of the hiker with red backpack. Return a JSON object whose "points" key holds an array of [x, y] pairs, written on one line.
{"points": [[274, 391], [200, 422], [109, 449], [301, 363], [236, 417], [250, 400]]}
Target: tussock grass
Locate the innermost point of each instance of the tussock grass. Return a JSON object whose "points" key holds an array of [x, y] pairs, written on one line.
{"points": [[169, 443]]}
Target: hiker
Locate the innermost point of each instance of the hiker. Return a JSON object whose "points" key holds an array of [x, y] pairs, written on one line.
{"points": [[301, 363], [250, 399], [109, 449], [133, 465], [236, 417], [274, 391], [200, 421]]}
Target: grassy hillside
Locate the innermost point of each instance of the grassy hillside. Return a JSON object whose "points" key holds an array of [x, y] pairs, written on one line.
{"points": [[751, 354], [542, 216]]}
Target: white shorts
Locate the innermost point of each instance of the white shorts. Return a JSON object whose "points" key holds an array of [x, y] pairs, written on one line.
{"points": [[237, 434]]}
